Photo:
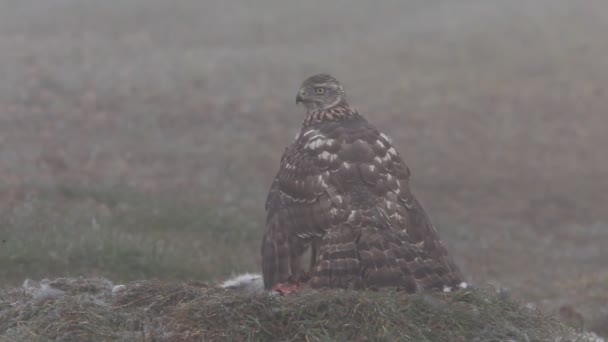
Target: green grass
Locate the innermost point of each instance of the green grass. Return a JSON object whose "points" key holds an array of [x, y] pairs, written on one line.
{"points": [[123, 236], [176, 311]]}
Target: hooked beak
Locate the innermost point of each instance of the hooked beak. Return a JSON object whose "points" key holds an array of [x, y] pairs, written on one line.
{"points": [[300, 97]]}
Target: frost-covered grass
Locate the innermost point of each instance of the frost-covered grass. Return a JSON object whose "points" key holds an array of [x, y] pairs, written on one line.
{"points": [[88, 310]]}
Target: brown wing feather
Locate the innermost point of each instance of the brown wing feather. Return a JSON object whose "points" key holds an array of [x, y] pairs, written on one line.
{"points": [[300, 207]]}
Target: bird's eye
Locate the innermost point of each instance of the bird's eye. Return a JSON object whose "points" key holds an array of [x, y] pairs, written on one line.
{"points": [[320, 91]]}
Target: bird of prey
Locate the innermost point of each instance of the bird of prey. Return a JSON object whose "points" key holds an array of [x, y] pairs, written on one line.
{"points": [[342, 194]]}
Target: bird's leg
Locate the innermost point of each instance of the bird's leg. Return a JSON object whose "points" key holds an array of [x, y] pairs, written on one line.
{"points": [[302, 274], [295, 264], [313, 257]]}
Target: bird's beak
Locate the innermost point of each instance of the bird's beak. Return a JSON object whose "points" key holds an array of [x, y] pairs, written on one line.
{"points": [[300, 97]]}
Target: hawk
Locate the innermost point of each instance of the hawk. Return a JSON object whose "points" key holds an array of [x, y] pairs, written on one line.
{"points": [[342, 193]]}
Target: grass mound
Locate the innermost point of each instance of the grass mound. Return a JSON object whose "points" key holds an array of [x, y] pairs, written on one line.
{"points": [[96, 310]]}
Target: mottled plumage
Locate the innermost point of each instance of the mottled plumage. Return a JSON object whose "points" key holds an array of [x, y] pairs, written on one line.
{"points": [[343, 192]]}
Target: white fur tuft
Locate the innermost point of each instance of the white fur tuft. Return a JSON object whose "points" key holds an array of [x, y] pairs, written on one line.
{"points": [[41, 291], [118, 288], [248, 282]]}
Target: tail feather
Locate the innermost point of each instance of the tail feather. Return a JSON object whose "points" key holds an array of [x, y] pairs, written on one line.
{"points": [[380, 249], [339, 261], [373, 257]]}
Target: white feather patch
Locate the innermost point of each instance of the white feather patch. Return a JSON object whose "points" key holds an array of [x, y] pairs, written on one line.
{"points": [[386, 137], [328, 156], [321, 181], [316, 136], [310, 131], [329, 142], [351, 216], [313, 144]]}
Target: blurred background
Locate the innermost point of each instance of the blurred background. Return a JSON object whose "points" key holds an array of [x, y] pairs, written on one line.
{"points": [[138, 138]]}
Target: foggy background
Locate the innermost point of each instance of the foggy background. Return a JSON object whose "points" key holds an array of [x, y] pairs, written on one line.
{"points": [[139, 138]]}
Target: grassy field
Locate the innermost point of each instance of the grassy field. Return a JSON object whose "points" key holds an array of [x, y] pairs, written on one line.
{"points": [[138, 138], [123, 235]]}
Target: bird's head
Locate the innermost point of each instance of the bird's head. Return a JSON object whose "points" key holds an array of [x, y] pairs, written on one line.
{"points": [[321, 92]]}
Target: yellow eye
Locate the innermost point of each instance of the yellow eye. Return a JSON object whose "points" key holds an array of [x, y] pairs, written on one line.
{"points": [[320, 91]]}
